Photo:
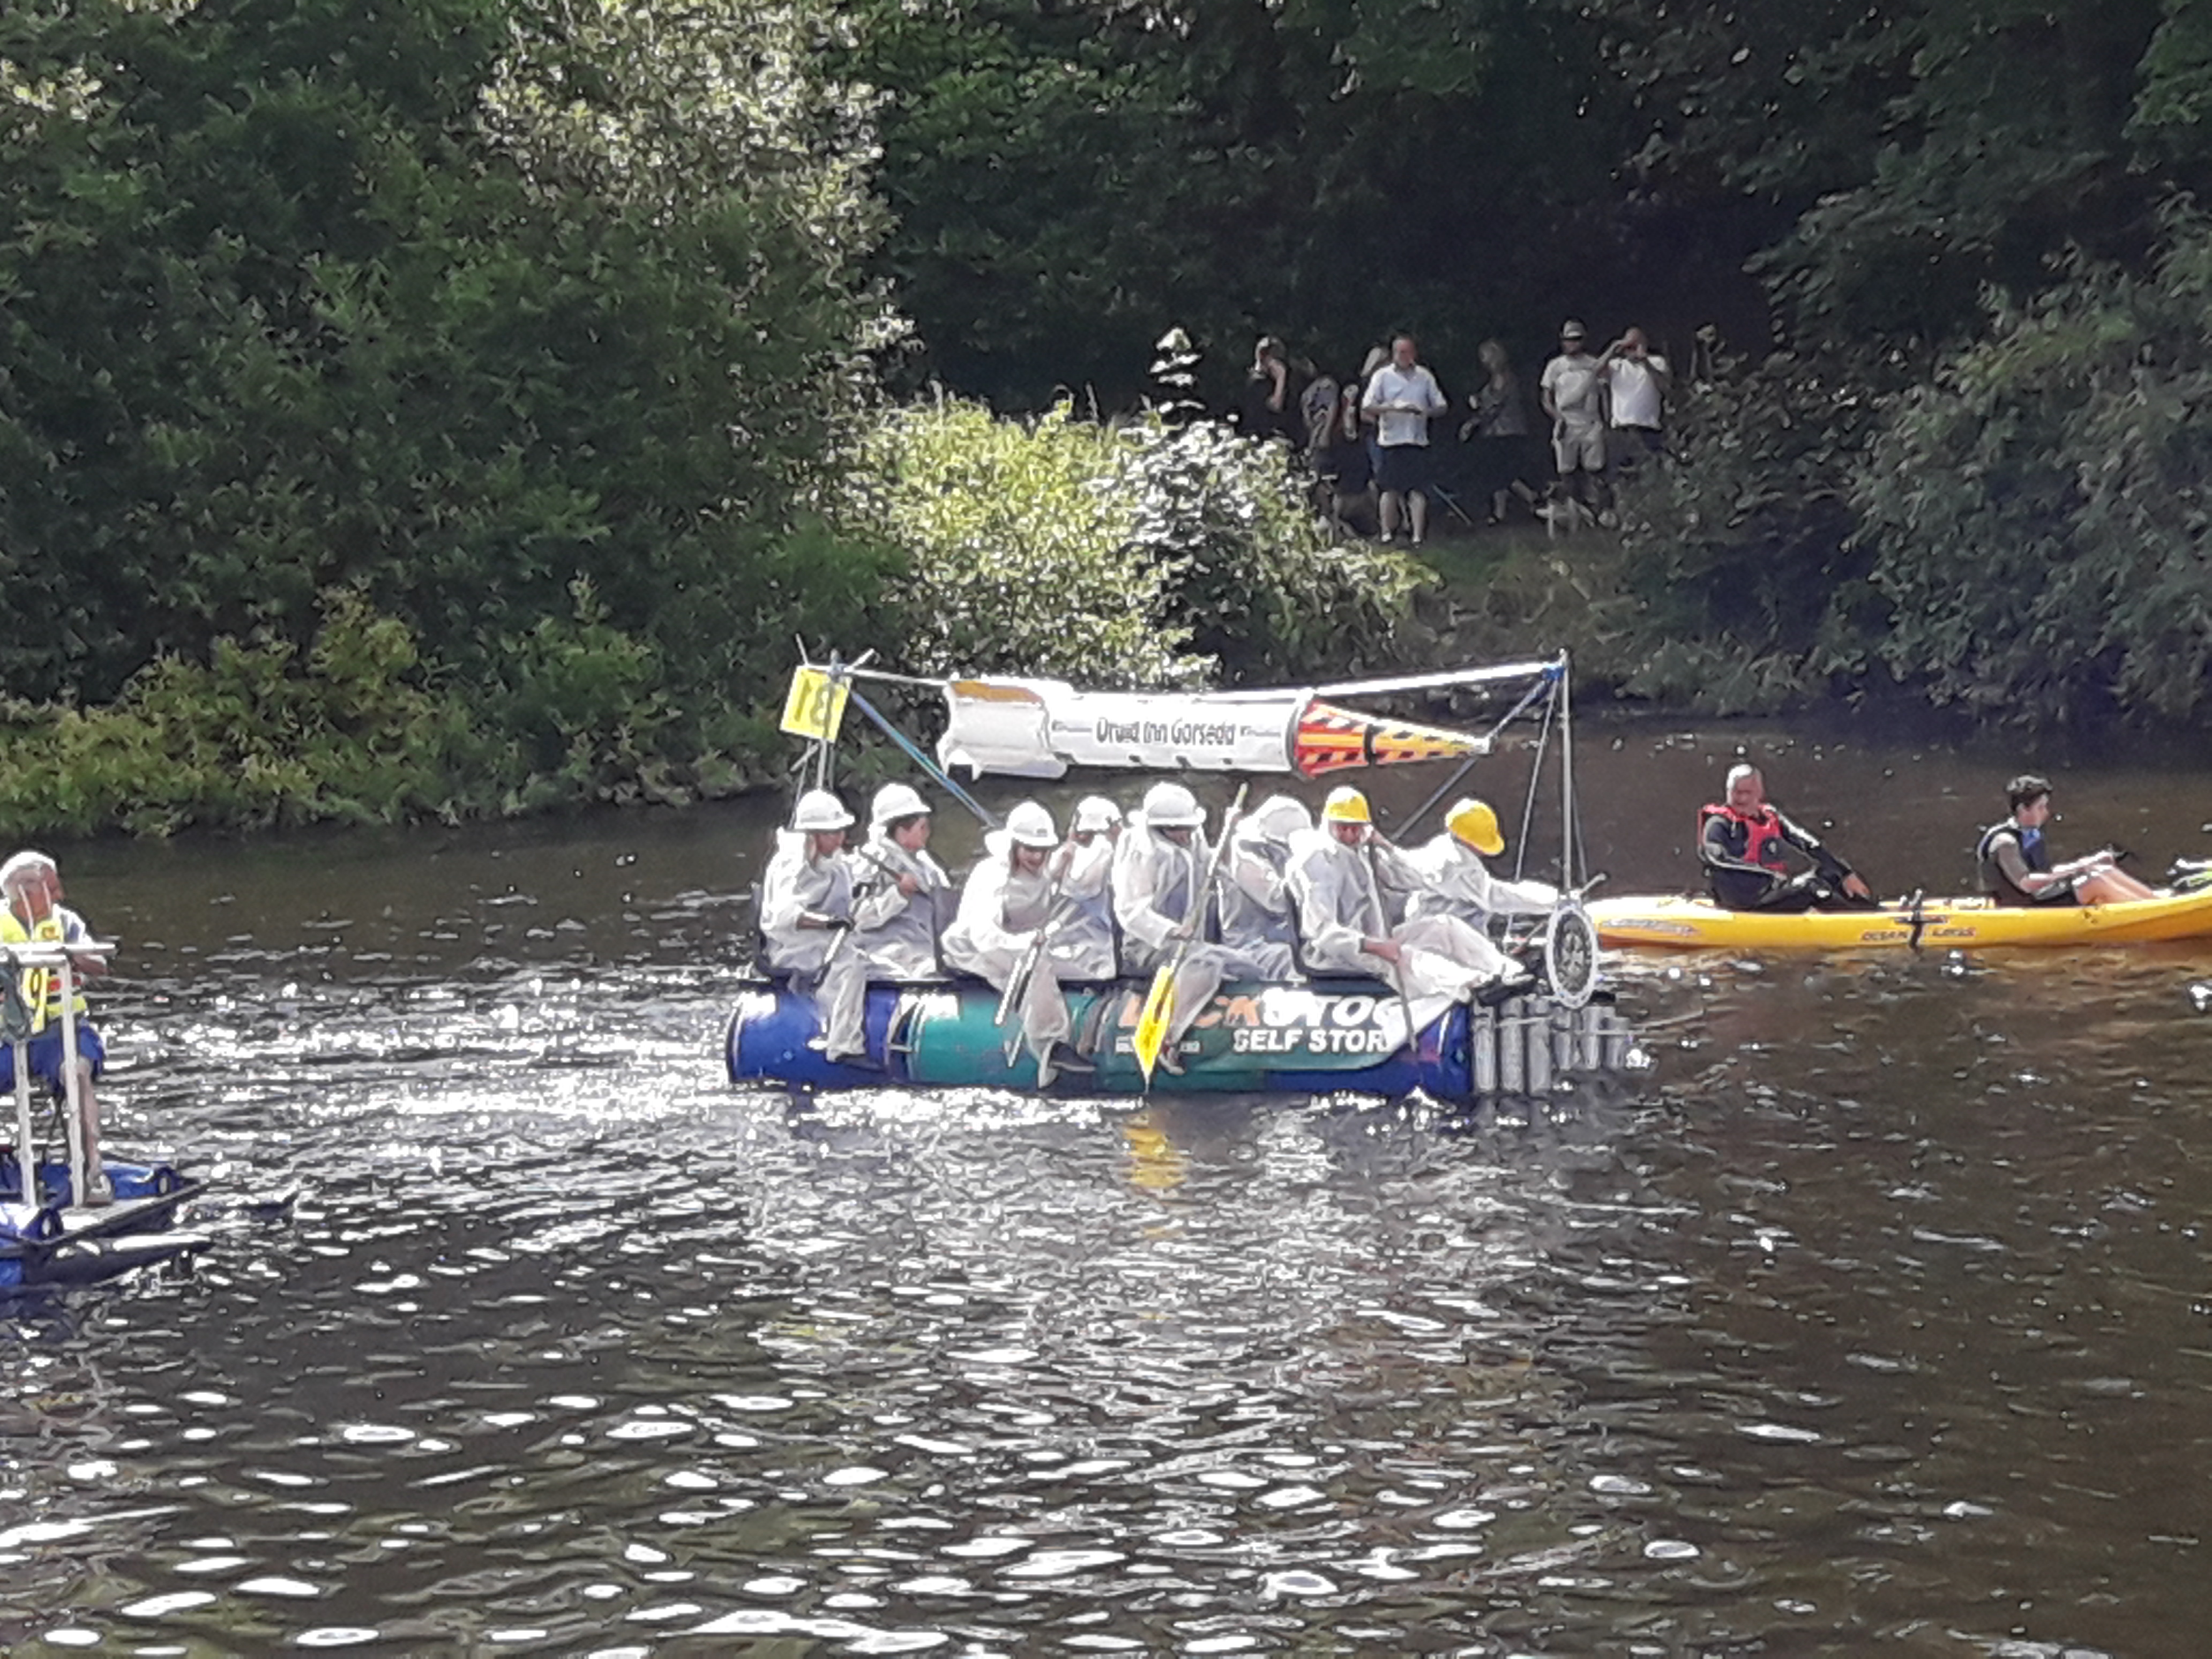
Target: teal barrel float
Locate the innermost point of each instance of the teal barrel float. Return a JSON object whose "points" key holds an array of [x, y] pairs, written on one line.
{"points": [[1320, 1038]]}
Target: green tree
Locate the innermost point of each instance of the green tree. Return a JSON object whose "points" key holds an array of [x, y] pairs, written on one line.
{"points": [[2039, 510], [454, 303]]}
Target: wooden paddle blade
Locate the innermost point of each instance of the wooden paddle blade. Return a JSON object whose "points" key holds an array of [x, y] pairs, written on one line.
{"points": [[1153, 1022]]}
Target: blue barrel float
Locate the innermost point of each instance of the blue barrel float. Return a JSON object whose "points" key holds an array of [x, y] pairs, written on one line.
{"points": [[1317, 1038]]}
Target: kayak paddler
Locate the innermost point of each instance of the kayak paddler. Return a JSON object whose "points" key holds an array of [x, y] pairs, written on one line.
{"points": [[1745, 845], [2015, 860]]}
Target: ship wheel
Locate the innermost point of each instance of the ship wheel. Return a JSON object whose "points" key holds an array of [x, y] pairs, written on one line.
{"points": [[1571, 955]]}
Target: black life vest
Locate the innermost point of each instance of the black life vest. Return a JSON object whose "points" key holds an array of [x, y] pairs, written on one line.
{"points": [[2033, 850], [1762, 839]]}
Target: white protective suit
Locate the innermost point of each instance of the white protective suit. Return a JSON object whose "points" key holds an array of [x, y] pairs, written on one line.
{"points": [[1001, 908], [898, 934], [1341, 903], [794, 886], [1084, 939], [1155, 889], [1258, 916], [1453, 881]]}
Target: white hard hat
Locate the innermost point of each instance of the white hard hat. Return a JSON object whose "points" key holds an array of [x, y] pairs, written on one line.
{"points": [[895, 801], [1171, 807], [1276, 819], [820, 811], [1031, 825], [1095, 813]]}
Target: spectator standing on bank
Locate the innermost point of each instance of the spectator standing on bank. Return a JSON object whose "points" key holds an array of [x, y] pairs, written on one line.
{"points": [[1400, 399], [1573, 393], [1637, 381], [1499, 428]]}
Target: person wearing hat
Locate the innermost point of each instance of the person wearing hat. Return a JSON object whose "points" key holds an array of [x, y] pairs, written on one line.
{"points": [[1258, 914], [1009, 897], [1343, 875], [31, 888], [897, 888], [1572, 391], [806, 910], [1085, 868], [1160, 864], [1455, 881]]}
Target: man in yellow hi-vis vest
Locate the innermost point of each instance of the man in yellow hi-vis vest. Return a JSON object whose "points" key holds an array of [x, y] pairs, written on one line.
{"points": [[30, 887]]}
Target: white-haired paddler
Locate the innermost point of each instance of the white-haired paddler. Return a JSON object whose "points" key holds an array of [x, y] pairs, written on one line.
{"points": [[1339, 872], [807, 913], [1012, 918]]}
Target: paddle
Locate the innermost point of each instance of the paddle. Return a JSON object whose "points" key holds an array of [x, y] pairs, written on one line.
{"points": [[1152, 1021]]}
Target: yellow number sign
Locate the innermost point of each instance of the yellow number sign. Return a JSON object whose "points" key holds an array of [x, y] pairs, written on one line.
{"points": [[816, 707]]}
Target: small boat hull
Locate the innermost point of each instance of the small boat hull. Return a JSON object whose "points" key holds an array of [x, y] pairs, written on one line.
{"points": [[1343, 1035], [53, 1242], [1677, 923]]}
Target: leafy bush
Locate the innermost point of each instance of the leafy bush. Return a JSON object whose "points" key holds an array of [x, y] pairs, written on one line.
{"points": [[2040, 512], [1744, 585], [255, 737], [1139, 556]]}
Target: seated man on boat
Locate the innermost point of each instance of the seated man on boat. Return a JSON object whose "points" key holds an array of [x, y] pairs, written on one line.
{"points": [[2015, 860], [1084, 869], [1258, 914], [1742, 844], [1013, 930], [1339, 874], [897, 888], [31, 886], [806, 916], [1160, 864], [1454, 881]]}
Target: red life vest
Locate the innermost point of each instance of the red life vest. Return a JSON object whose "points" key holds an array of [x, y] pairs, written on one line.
{"points": [[1762, 836]]}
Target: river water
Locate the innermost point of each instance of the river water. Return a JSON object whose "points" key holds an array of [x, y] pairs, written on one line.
{"points": [[1877, 1312]]}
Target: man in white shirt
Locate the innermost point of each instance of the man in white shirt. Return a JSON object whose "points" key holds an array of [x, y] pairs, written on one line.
{"points": [[1402, 397], [1573, 393], [1638, 381]]}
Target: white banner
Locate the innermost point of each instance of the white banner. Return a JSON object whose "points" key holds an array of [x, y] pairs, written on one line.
{"points": [[1039, 728]]}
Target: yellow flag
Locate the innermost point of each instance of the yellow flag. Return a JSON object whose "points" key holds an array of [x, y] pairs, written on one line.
{"points": [[816, 707], [1153, 1022]]}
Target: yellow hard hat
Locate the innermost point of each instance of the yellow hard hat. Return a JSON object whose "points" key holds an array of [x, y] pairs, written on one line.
{"points": [[1345, 805], [1474, 823]]}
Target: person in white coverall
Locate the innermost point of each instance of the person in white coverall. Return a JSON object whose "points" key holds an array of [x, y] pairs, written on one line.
{"points": [[1009, 897], [1338, 873], [1158, 865], [1455, 881], [806, 901], [1258, 914], [1085, 869], [896, 885]]}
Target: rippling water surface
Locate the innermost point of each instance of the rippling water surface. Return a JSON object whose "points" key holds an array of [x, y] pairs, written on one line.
{"points": [[1878, 1315]]}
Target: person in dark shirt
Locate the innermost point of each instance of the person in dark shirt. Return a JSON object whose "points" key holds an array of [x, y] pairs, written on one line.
{"points": [[2015, 863], [1742, 844]]}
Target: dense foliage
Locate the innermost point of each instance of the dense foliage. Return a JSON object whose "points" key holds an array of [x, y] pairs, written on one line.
{"points": [[1134, 555], [447, 308]]}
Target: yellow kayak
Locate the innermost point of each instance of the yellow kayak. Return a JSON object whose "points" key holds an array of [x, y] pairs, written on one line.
{"points": [[1694, 924]]}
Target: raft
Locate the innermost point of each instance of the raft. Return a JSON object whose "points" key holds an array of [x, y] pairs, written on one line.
{"points": [[1678, 923], [49, 1241], [1323, 1037]]}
